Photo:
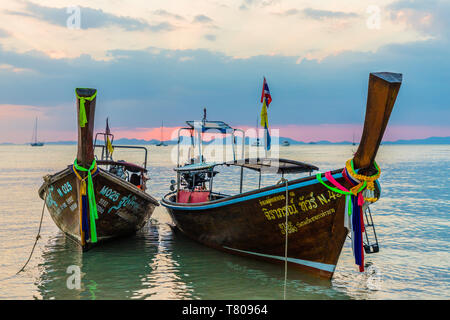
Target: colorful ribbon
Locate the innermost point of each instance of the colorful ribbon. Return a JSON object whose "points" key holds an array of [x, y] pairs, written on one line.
{"points": [[354, 200], [90, 195], [83, 117], [369, 181]]}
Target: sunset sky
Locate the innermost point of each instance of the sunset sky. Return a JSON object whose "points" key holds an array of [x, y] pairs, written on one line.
{"points": [[155, 61]]}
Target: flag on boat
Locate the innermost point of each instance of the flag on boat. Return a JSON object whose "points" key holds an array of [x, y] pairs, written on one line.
{"points": [[108, 142], [266, 99], [265, 94]]}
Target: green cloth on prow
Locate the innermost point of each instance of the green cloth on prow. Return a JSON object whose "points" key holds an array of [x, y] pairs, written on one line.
{"points": [[83, 117], [93, 215]]}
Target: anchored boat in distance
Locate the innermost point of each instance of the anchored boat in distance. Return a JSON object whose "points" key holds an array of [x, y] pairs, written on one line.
{"points": [[302, 222], [161, 142], [94, 200], [34, 140]]}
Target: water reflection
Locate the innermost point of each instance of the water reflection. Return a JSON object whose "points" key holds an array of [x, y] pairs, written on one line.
{"points": [[212, 274], [113, 271], [159, 263], [411, 219]]}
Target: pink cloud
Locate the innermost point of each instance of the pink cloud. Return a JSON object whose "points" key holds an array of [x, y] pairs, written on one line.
{"points": [[168, 133], [346, 132], [10, 112], [17, 121], [306, 133]]}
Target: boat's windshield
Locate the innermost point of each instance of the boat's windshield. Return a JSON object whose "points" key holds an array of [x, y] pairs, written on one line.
{"points": [[213, 179], [207, 163], [126, 162]]}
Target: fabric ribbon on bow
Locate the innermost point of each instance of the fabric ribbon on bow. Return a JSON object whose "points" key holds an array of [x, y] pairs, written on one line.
{"points": [[353, 217], [83, 117], [87, 195]]}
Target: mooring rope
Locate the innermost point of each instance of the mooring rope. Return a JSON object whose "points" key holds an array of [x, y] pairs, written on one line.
{"points": [[286, 239], [38, 236], [283, 179]]}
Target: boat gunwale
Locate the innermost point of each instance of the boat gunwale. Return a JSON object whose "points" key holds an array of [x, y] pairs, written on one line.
{"points": [[249, 195], [67, 171]]}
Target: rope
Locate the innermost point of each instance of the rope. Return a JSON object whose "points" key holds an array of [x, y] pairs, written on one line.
{"points": [[38, 236], [286, 238]]}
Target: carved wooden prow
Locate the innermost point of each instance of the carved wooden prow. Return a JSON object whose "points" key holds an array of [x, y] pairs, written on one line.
{"points": [[85, 154], [382, 93]]}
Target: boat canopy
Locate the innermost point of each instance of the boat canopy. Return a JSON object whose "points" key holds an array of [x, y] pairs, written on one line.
{"points": [[197, 166], [206, 125], [128, 166], [279, 166]]}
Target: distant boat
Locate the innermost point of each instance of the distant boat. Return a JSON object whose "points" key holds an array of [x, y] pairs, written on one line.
{"points": [[257, 142], [34, 142], [161, 142], [285, 143]]}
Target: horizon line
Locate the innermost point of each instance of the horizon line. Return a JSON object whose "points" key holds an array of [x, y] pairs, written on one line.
{"points": [[281, 138]]}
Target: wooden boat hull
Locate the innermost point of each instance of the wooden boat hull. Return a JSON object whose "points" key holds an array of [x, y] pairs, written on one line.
{"points": [[122, 208], [253, 224]]}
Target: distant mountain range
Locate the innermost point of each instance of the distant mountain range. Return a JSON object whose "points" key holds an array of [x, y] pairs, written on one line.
{"points": [[125, 141], [431, 140]]}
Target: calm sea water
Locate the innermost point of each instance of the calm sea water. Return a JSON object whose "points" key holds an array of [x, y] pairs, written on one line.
{"points": [[412, 221]]}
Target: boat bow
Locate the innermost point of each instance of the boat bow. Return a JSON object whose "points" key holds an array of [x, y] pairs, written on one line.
{"points": [[382, 93]]}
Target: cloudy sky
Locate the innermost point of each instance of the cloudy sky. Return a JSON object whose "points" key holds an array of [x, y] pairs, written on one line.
{"points": [[164, 60]]}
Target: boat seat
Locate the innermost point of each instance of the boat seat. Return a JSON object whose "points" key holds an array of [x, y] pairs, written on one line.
{"points": [[185, 196]]}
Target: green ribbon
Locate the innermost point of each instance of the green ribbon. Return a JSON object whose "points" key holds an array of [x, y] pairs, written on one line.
{"points": [[347, 194], [91, 198], [83, 117], [319, 178], [349, 205]]}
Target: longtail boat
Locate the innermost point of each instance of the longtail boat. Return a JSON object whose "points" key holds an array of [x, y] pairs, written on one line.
{"points": [[94, 200], [302, 222]]}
